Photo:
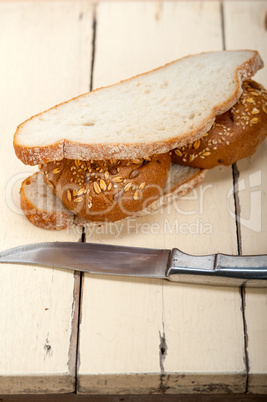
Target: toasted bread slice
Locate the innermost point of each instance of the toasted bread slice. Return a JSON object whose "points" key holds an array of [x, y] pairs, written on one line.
{"points": [[46, 211], [148, 114]]}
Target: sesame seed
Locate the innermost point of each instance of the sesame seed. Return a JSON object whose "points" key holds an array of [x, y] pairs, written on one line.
{"points": [[69, 195], [79, 192], [97, 188], [103, 185], [142, 186], [127, 187], [117, 179], [136, 195], [79, 199], [191, 158], [177, 152], [255, 120], [196, 144], [56, 171], [136, 161], [106, 174]]}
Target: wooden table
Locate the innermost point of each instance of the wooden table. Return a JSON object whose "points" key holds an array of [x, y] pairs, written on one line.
{"points": [[63, 333]]}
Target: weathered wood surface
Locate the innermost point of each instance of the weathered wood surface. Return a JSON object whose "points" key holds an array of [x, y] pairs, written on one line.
{"points": [[45, 52], [136, 336], [246, 26], [153, 336]]}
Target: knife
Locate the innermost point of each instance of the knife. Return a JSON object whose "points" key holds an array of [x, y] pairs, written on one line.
{"points": [[174, 265]]}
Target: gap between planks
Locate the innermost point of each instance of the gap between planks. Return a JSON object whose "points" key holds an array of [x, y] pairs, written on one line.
{"points": [[79, 275], [235, 176]]}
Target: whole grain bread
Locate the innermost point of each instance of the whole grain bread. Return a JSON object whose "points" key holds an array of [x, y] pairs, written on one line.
{"points": [[46, 211], [234, 135], [148, 114], [107, 190], [41, 207]]}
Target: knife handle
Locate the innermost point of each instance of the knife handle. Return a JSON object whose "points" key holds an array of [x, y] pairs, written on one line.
{"points": [[218, 269]]}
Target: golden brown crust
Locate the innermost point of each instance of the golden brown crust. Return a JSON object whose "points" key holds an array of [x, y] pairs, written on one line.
{"points": [[180, 181], [110, 190], [235, 134], [37, 215], [67, 149]]}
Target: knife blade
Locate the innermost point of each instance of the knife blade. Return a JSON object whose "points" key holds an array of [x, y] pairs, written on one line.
{"points": [[174, 265]]}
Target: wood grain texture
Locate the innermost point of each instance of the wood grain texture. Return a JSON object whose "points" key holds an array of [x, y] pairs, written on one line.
{"points": [[132, 398], [45, 58], [245, 26], [145, 336]]}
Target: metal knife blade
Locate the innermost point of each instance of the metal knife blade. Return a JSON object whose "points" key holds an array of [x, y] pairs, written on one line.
{"points": [[92, 258], [218, 269]]}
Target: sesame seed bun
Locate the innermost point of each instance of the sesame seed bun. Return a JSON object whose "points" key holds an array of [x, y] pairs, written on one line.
{"points": [[45, 210], [234, 135], [107, 190]]}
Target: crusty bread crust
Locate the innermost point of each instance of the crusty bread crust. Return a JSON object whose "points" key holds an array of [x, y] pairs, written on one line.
{"points": [[107, 190], [38, 215], [234, 135], [172, 191], [181, 180], [77, 150]]}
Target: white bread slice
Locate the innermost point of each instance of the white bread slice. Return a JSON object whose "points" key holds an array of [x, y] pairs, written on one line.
{"points": [[41, 207], [151, 113], [46, 211]]}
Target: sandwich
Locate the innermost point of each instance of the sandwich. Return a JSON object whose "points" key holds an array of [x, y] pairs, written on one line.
{"points": [[124, 150]]}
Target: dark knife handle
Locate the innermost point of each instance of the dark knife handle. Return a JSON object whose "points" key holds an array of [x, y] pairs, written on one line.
{"points": [[218, 269]]}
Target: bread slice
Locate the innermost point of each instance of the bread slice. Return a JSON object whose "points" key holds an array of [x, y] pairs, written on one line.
{"points": [[148, 114], [46, 211], [41, 207]]}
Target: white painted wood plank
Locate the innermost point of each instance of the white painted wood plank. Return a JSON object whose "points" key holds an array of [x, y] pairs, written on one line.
{"points": [[147, 40], [128, 321], [245, 24], [45, 58]]}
